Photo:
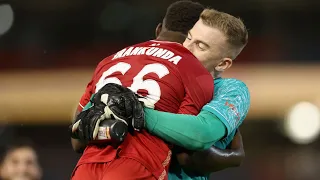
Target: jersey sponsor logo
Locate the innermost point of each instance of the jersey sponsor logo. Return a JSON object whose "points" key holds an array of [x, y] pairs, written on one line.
{"points": [[149, 51], [233, 109]]}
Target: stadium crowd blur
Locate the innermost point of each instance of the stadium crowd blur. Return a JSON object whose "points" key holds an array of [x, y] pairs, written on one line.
{"points": [[48, 51]]}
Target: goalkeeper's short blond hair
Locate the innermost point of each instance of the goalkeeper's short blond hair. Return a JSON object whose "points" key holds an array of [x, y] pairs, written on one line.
{"points": [[233, 28]]}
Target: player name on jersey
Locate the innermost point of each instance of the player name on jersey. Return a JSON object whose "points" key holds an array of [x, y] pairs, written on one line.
{"points": [[149, 51]]}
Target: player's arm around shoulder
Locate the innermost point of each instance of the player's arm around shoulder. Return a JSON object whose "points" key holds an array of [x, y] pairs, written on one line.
{"points": [[191, 132]]}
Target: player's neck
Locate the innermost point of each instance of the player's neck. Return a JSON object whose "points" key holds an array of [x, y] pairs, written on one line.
{"points": [[172, 36], [216, 74]]}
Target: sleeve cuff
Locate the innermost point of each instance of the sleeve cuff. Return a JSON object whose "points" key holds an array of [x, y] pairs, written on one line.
{"points": [[151, 119]]}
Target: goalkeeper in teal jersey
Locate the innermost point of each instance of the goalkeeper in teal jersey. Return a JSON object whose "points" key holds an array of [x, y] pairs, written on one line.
{"points": [[216, 40], [216, 125]]}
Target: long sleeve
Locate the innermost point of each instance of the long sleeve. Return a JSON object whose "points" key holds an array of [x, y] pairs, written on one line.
{"points": [[188, 131]]}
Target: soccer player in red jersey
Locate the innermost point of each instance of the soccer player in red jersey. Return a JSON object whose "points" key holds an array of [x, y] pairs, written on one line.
{"points": [[171, 78]]}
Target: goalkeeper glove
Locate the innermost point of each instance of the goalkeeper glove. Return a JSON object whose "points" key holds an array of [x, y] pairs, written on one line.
{"points": [[112, 101]]}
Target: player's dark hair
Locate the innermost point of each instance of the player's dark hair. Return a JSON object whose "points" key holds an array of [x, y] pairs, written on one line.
{"points": [[182, 15], [17, 144]]}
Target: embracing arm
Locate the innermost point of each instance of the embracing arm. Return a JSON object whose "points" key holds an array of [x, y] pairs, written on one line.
{"points": [[188, 131], [196, 132], [77, 145], [214, 159]]}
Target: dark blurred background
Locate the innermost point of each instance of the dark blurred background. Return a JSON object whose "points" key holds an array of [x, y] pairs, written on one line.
{"points": [[49, 49]]}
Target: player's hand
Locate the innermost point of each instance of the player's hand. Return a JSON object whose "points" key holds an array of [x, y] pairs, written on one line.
{"points": [[112, 101], [121, 104], [86, 125]]}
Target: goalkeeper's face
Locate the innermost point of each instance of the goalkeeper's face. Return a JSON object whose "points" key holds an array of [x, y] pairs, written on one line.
{"points": [[20, 164], [209, 45]]}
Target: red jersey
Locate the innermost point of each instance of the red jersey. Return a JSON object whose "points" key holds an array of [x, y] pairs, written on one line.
{"points": [[171, 78]]}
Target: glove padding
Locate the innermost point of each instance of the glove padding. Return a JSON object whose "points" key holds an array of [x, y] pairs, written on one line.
{"points": [[112, 101], [121, 104], [86, 126]]}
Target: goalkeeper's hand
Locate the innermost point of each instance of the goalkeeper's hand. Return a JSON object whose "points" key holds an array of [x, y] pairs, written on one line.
{"points": [[121, 104], [112, 101], [86, 125]]}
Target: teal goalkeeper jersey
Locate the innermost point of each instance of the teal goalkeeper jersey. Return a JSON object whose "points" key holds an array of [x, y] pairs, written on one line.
{"points": [[231, 105]]}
